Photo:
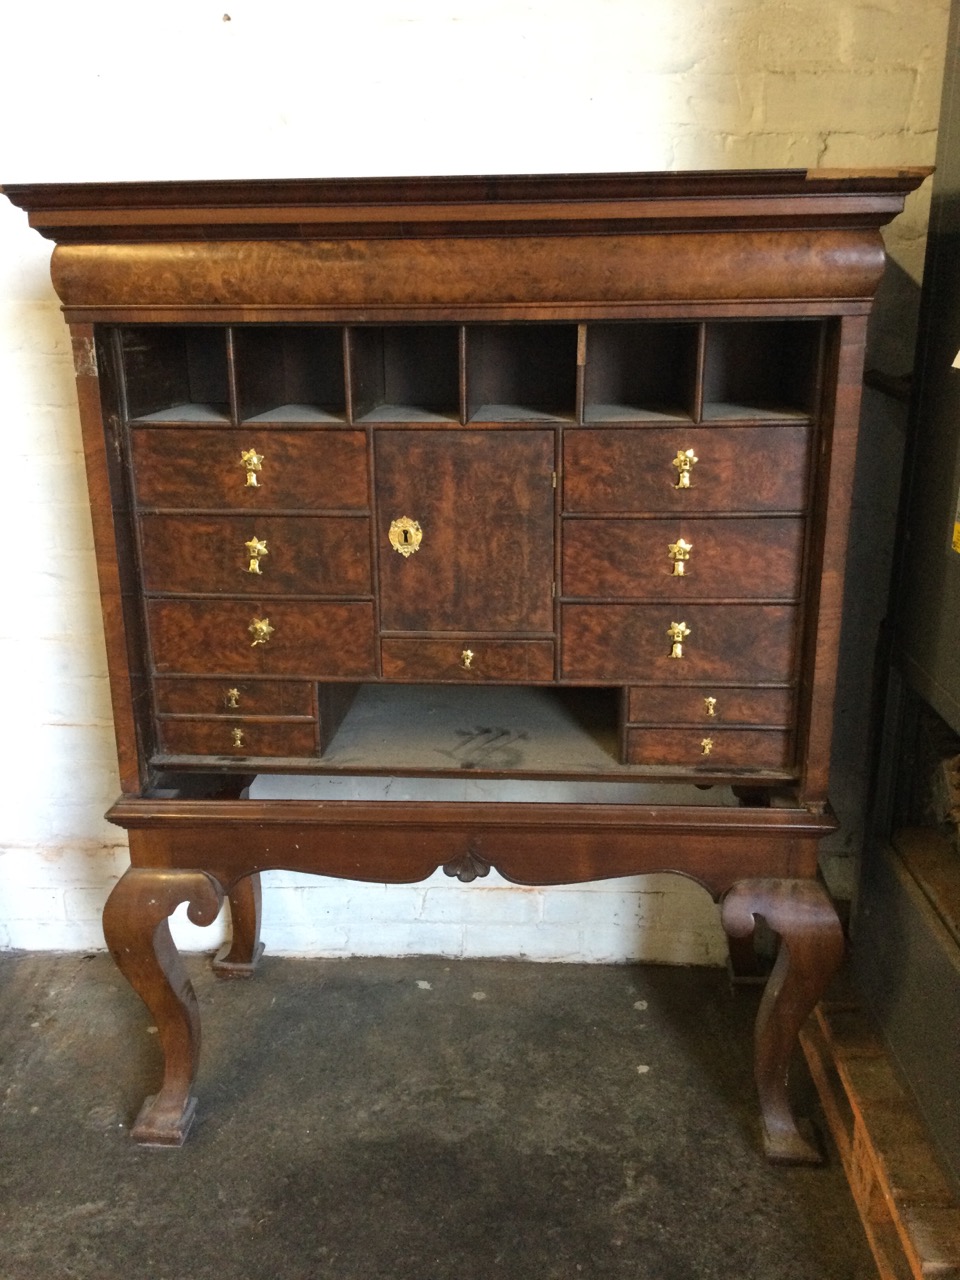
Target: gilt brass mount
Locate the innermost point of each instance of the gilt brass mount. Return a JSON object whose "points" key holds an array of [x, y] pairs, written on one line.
{"points": [[678, 632], [706, 746], [256, 548], [253, 463], [405, 536], [679, 553], [711, 706], [685, 461], [261, 631], [231, 699], [466, 659], [237, 737]]}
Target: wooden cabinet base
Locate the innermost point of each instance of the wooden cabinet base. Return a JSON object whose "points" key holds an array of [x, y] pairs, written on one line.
{"points": [[760, 862]]}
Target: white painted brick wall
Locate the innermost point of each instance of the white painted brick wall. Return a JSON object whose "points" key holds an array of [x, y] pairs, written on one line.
{"points": [[480, 86]]}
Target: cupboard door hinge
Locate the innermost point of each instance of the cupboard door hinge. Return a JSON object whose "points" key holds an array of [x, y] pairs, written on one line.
{"points": [[553, 590], [553, 476], [85, 357]]}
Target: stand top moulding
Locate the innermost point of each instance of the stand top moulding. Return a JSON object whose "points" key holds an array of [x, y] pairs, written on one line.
{"points": [[236, 251]]}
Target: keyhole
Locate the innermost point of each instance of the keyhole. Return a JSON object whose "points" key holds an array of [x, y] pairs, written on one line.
{"points": [[406, 535]]}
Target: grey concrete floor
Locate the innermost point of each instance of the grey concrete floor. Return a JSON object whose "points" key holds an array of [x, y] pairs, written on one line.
{"points": [[404, 1119]]}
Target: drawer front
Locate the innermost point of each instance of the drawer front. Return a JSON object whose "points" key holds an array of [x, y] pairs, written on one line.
{"points": [[758, 558], [304, 470], [234, 697], [255, 555], [236, 739], [734, 643], [632, 469], [708, 705], [509, 661], [713, 750], [310, 639]]}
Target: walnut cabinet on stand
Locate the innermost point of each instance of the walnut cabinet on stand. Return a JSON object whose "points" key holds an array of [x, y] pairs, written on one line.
{"points": [[540, 482]]}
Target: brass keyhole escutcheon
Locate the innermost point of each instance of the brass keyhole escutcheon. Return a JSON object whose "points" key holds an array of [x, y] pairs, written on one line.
{"points": [[231, 699], [685, 461], [256, 548], [261, 631], [706, 746], [679, 553], [711, 706], [253, 463], [466, 659], [237, 737], [405, 536], [678, 632]]}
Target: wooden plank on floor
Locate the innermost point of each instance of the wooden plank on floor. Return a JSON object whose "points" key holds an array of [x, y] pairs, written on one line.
{"points": [[908, 1207]]}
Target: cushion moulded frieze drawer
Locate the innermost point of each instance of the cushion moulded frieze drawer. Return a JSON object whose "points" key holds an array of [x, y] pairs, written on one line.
{"points": [[316, 640]]}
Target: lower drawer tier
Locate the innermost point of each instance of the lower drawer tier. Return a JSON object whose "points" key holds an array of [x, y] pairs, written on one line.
{"points": [[236, 739], [709, 749], [466, 659]]}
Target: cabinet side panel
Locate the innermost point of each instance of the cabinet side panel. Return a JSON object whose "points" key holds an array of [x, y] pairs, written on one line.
{"points": [[828, 551], [110, 513]]}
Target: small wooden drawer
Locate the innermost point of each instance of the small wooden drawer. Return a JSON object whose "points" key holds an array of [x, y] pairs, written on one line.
{"points": [[315, 640], [631, 469], [711, 749], [220, 697], [757, 558], [236, 738], [501, 661], [186, 468], [626, 643], [254, 555], [683, 704]]}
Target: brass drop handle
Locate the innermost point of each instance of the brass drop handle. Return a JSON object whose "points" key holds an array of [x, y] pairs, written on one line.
{"points": [[261, 631], [685, 461], [252, 462], [679, 553], [231, 699], [706, 746], [256, 548], [711, 706], [405, 536], [678, 632], [237, 737], [466, 659]]}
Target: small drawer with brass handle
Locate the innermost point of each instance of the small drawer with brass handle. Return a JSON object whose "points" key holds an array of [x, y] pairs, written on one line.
{"points": [[732, 557], [649, 643], [236, 555], [248, 738], [511, 661], [686, 749], [316, 640], [709, 706], [191, 695], [242, 471], [616, 470]]}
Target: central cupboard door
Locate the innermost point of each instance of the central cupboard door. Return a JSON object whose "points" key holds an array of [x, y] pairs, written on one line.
{"points": [[484, 504]]}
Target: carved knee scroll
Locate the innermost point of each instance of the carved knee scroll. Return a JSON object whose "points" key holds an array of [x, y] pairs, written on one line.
{"points": [[811, 947], [137, 931]]}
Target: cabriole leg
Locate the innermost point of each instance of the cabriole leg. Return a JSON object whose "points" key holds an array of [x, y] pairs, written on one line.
{"points": [[811, 947], [136, 928], [239, 957]]}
